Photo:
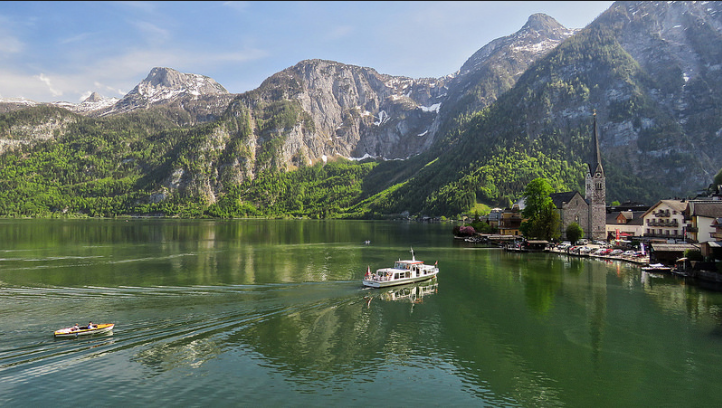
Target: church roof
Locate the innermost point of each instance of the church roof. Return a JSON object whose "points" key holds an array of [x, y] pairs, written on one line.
{"points": [[560, 198]]}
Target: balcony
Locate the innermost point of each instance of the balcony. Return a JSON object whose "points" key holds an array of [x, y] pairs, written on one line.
{"points": [[663, 223]]}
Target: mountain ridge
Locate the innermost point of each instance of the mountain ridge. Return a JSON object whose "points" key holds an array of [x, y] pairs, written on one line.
{"points": [[518, 108]]}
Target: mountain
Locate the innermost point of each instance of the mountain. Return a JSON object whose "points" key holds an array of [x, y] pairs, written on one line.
{"points": [[495, 68], [198, 97], [358, 113], [678, 45], [649, 70], [91, 104], [519, 108], [190, 98]]}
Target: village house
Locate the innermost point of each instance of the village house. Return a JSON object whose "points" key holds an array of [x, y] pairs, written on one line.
{"points": [[702, 214], [625, 225], [665, 220], [494, 217], [510, 220], [712, 249]]}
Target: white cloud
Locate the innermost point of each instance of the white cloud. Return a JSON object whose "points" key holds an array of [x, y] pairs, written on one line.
{"points": [[46, 81]]}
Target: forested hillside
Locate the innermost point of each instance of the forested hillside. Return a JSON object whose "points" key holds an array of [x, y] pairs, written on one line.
{"points": [[520, 109]]}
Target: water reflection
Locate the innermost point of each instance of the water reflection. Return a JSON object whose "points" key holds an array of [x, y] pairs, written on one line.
{"points": [[412, 293], [271, 312]]}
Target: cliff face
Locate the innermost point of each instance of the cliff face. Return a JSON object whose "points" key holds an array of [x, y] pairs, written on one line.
{"points": [[355, 112], [679, 47]]}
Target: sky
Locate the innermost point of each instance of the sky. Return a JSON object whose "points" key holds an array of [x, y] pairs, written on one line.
{"points": [[63, 51]]}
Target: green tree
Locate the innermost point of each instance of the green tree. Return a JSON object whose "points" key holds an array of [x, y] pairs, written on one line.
{"points": [[717, 180], [574, 232], [541, 219]]}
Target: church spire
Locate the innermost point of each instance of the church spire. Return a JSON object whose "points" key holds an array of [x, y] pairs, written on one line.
{"points": [[595, 165]]}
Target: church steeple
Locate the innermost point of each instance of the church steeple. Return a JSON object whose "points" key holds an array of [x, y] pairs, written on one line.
{"points": [[596, 189], [595, 164]]}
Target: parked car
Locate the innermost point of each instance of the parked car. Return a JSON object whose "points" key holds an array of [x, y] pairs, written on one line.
{"points": [[629, 253], [616, 252]]}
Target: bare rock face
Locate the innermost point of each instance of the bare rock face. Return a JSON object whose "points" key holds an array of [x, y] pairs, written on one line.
{"points": [[358, 112], [678, 45]]}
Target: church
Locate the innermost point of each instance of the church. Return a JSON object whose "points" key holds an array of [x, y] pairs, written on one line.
{"points": [[589, 211]]}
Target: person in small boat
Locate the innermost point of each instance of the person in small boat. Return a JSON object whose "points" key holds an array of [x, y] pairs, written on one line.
{"points": [[76, 327], [91, 325]]}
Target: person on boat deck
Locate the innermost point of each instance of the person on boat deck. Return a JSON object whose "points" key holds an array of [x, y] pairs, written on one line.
{"points": [[90, 325]]}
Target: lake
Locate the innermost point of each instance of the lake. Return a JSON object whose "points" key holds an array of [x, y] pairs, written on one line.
{"points": [[273, 313]]}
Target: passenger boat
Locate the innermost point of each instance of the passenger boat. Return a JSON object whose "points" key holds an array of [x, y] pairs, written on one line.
{"points": [[70, 332], [403, 271]]}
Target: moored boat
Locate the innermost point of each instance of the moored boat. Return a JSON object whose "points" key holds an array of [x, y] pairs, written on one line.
{"points": [[72, 332], [658, 267], [403, 271]]}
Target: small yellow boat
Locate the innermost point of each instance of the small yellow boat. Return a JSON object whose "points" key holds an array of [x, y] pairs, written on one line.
{"points": [[71, 332]]}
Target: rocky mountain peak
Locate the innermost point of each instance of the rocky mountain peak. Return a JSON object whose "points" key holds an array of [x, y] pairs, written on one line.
{"points": [[200, 95], [540, 34], [542, 23], [164, 83], [94, 97]]}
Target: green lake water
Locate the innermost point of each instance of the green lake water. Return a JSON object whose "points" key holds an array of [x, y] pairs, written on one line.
{"points": [[272, 313]]}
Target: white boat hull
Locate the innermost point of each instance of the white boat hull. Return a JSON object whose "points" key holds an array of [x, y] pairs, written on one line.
{"points": [[69, 333], [373, 283]]}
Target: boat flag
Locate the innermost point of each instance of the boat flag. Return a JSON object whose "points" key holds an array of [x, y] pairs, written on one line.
{"points": [[436, 263], [368, 271]]}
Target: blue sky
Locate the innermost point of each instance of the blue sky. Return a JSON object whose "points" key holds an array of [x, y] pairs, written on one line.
{"points": [[63, 51]]}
